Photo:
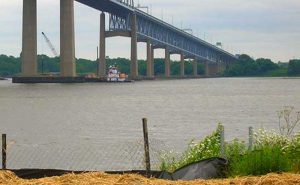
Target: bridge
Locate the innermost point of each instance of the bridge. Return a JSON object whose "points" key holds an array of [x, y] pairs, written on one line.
{"points": [[127, 21]]}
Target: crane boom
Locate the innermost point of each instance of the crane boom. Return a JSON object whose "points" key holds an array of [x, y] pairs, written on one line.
{"points": [[50, 45]]}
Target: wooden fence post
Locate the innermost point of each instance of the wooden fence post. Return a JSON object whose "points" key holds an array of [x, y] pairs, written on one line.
{"points": [[3, 151], [250, 145], [146, 146], [222, 135]]}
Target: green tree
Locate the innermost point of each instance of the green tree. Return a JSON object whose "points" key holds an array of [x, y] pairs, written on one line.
{"points": [[9, 65], [294, 67], [246, 66], [266, 65]]}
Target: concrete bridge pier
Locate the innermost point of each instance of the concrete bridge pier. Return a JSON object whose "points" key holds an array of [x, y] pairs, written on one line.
{"points": [[29, 38], [102, 44], [211, 69], [223, 66], [167, 62], [214, 69], [219, 67], [134, 64], [195, 67], [152, 61], [207, 69], [182, 62], [149, 59], [67, 39], [227, 66]]}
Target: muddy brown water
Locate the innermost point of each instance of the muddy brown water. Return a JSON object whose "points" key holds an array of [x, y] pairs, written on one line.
{"points": [[97, 126]]}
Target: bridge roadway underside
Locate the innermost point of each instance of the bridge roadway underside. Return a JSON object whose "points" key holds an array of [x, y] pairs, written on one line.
{"points": [[124, 21]]}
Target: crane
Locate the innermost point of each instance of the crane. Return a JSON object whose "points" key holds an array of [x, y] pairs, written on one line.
{"points": [[50, 45]]}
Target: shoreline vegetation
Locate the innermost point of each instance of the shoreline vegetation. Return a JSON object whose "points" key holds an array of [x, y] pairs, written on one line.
{"points": [[268, 151], [244, 67]]}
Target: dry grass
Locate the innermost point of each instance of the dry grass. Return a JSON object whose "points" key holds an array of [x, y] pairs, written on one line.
{"points": [[7, 177]]}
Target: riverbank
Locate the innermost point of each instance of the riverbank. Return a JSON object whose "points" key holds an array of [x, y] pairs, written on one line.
{"points": [[7, 177]]}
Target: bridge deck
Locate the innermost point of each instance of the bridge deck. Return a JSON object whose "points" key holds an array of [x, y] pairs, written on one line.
{"points": [[110, 6], [159, 32]]}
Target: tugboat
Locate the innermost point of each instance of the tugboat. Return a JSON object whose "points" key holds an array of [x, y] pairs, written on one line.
{"points": [[115, 76]]}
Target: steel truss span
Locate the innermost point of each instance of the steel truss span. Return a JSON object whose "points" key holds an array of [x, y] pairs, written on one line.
{"points": [[160, 33]]}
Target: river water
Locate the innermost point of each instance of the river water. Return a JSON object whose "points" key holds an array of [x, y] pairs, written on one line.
{"points": [[79, 126]]}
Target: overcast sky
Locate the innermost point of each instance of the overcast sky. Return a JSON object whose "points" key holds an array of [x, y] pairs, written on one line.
{"points": [[260, 28]]}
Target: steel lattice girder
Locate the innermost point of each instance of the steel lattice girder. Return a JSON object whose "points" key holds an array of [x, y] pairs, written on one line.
{"points": [[117, 23], [160, 33], [164, 36], [177, 40]]}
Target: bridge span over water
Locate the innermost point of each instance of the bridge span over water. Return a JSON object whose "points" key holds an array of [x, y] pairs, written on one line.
{"points": [[128, 21]]}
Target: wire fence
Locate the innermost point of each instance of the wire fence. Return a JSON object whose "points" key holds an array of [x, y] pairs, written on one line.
{"points": [[119, 156], [122, 156]]}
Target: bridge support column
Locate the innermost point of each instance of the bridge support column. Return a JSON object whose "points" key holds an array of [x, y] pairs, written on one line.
{"points": [[182, 65], [214, 69], [67, 39], [223, 68], [195, 67], [29, 38], [167, 62], [152, 61], [102, 54], [227, 65], [219, 67], [207, 69], [149, 59], [134, 65]]}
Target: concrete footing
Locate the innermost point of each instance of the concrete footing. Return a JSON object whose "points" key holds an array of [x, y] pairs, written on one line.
{"points": [[59, 79], [48, 79]]}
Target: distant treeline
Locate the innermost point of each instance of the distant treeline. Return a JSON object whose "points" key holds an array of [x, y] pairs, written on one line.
{"points": [[10, 66], [246, 66]]}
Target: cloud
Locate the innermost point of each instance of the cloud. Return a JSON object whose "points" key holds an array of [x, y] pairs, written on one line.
{"points": [[256, 27], [267, 28]]}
